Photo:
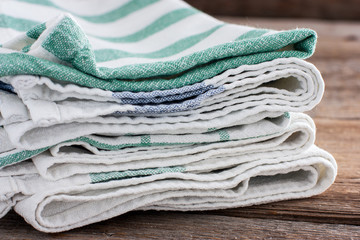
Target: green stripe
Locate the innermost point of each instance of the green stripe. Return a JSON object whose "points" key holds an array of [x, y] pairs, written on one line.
{"points": [[229, 55], [156, 26], [252, 34], [104, 55], [108, 176], [287, 115], [26, 48], [120, 12], [113, 15], [211, 129], [35, 32], [18, 24], [145, 140], [163, 22], [224, 135], [20, 156], [69, 43]]}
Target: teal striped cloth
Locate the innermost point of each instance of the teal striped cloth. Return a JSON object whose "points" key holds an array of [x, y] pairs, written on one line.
{"points": [[119, 105], [174, 45]]}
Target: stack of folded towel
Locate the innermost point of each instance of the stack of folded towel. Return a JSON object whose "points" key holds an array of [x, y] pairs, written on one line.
{"points": [[151, 104]]}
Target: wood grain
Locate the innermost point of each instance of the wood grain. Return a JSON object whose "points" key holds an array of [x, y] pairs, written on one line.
{"points": [[334, 214], [342, 87], [322, 9], [174, 225]]}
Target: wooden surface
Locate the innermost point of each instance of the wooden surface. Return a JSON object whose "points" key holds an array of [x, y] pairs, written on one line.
{"points": [[320, 9], [334, 214]]}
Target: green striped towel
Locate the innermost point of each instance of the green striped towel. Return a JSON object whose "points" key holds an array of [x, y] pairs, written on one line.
{"points": [[165, 44], [94, 65], [150, 104]]}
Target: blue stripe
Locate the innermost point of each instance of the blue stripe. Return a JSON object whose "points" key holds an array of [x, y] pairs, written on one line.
{"points": [[173, 107], [6, 87]]}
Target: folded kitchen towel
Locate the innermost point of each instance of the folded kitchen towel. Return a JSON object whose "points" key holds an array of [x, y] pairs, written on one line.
{"points": [[176, 54], [248, 93], [151, 104], [166, 42], [261, 128], [67, 159], [63, 205], [59, 189]]}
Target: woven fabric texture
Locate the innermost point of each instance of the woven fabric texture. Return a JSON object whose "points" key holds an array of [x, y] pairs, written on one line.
{"points": [[151, 104]]}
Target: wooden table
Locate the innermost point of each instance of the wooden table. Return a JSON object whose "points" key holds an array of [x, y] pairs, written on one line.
{"points": [[334, 214]]}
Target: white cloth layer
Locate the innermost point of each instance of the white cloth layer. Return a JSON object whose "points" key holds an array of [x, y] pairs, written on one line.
{"points": [[65, 188], [251, 92], [56, 208], [67, 159], [246, 133]]}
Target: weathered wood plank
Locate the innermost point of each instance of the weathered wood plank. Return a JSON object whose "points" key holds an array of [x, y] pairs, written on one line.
{"points": [[348, 30], [340, 137], [173, 225], [325, 9], [342, 87]]}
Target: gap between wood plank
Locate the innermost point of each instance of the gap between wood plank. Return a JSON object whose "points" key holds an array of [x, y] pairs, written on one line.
{"points": [[178, 225]]}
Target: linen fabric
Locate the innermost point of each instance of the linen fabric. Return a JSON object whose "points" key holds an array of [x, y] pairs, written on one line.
{"points": [[151, 104]]}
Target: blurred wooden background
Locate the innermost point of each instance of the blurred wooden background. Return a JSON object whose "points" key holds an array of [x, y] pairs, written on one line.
{"points": [[322, 9]]}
